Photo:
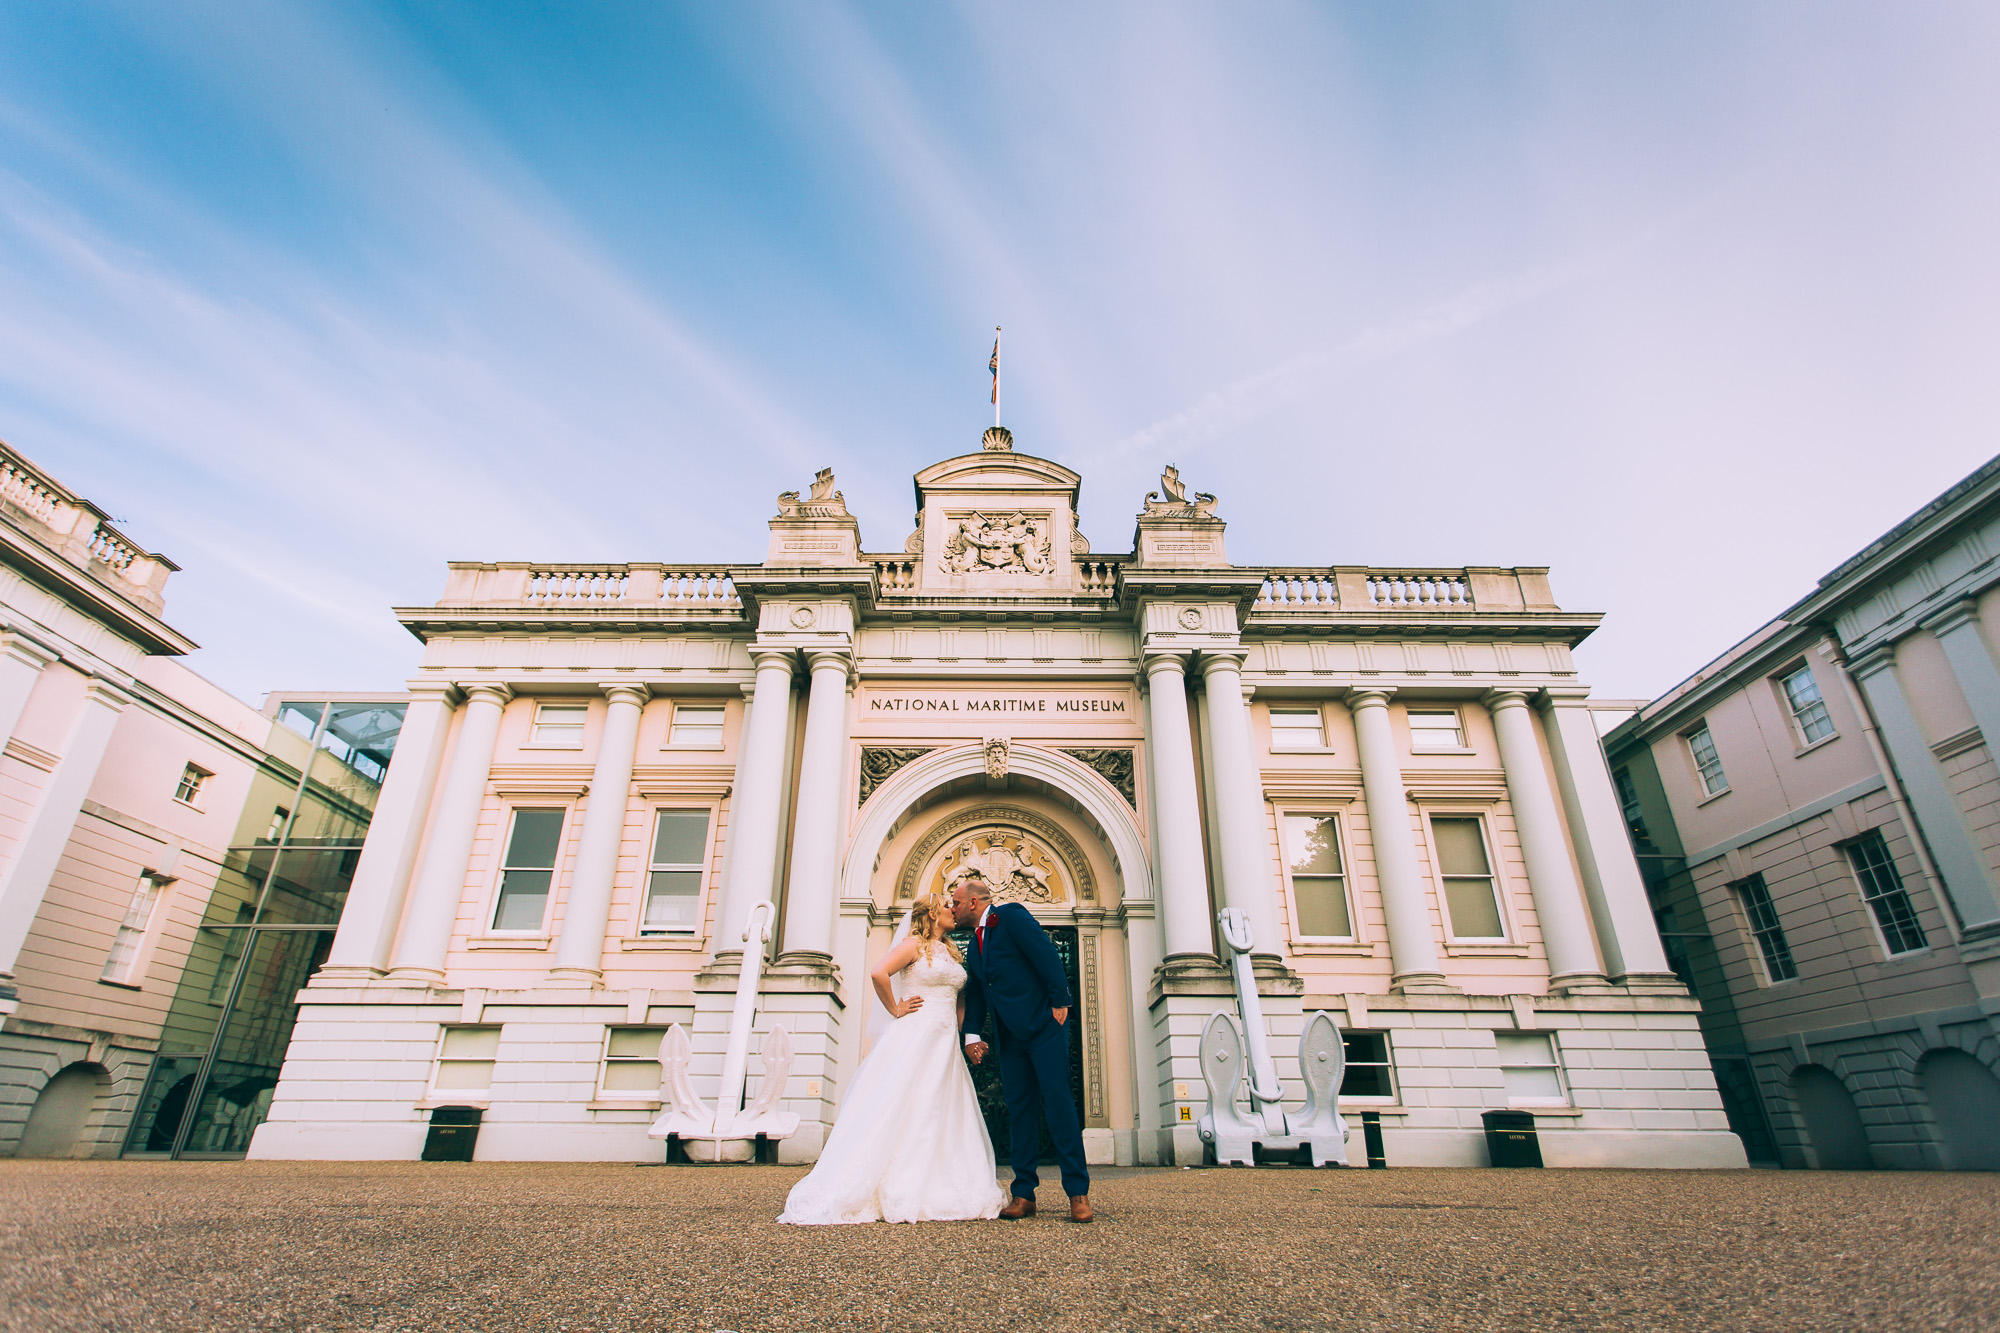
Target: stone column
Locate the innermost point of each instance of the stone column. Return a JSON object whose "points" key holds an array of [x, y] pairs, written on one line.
{"points": [[1239, 804], [46, 830], [1626, 932], [382, 878], [587, 913], [1942, 822], [1413, 954], [440, 882], [22, 661], [1558, 898], [756, 805], [1957, 629], [1183, 883], [810, 894]]}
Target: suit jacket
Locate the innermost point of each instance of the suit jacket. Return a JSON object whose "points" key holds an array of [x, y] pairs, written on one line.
{"points": [[1019, 974]]}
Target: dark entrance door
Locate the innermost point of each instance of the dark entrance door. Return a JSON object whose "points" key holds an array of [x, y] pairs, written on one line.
{"points": [[986, 1074]]}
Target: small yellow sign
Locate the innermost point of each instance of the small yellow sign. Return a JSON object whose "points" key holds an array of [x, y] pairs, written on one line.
{"points": [[1187, 1113]]}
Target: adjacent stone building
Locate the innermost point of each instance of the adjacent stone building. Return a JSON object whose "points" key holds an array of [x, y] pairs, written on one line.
{"points": [[1392, 772], [1818, 813], [164, 848]]}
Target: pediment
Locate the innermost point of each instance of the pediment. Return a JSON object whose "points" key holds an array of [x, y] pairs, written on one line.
{"points": [[993, 471]]}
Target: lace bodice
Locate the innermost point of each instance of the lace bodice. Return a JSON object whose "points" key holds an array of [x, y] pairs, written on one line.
{"points": [[938, 978]]}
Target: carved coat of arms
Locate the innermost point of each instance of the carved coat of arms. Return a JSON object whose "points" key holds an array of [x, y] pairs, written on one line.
{"points": [[984, 544]]}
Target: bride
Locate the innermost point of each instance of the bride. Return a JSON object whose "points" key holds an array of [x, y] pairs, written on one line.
{"points": [[910, 1144]]}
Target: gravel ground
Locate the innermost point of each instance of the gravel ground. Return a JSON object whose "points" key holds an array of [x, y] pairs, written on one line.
{"points": [[439, 1246]]}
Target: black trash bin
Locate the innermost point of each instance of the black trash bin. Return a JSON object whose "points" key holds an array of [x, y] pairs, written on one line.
{"points": [[454, 1131], [1510, 1138]]}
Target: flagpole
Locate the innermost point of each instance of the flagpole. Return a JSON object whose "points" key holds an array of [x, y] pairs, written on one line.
{"points": [[996, 374]]}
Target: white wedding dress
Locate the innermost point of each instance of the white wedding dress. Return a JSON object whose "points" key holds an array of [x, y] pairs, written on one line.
{"points": [[909, 1144]]}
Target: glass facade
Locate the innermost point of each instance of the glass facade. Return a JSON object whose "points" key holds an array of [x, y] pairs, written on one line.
{"points": [[268, 927]]}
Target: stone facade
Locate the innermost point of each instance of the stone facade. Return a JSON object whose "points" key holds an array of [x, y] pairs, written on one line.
{"points": [[604, 768], [1827, 879]]}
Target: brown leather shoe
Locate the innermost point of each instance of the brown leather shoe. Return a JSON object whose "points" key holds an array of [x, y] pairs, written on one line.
{"points": [[1079, 1208], [1017, 1208]]}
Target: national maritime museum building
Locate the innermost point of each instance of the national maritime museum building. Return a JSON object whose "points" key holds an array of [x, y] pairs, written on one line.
{"points": [[1391, 777]]}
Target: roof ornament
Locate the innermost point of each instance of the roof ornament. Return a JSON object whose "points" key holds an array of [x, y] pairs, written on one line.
{"points": [[997, 440], [822, 502], [1176, 504]]}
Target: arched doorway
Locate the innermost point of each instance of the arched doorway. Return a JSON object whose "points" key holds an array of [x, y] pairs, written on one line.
{"points": [[1059, 839], [1964, 1099], [1833, 1124], [61, 1113]]}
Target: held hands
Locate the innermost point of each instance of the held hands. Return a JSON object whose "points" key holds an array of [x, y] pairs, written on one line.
{"points": [[904, 1008], [975, 1051]]}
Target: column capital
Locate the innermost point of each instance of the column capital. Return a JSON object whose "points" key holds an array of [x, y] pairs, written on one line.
{"points": [[106, 692], [627, 691], [1157, 661], [434, 691], [1563, 696], [1963, 612], [1230, 659], [1505, 696], [28, 651], [761, 657], [1880, 658], [486, 691], [1369, 696], [821, 659]]}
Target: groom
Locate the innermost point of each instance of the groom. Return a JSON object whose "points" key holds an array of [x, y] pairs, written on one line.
{"points": [[1013, 966]]}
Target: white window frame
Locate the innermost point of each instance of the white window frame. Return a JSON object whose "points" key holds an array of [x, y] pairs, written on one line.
{"points": [[194, 790], [1555, 1054], [1271, 719], [136, 928], [510, 809], [605, 1059], [1708, 793], [1847, 850], [718, 706], [537, 741], [1779, 682], [463, 1096], [1761, 964], [1346, 875], [701, 900], [1510, 940], [1395, 1084], [1458, 716]]}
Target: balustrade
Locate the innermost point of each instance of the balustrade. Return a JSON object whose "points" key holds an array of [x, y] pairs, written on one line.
{"points": [[107, 546], [1097, 578], [895, 574], [570, 586], [25, 489], [697, 587], [1427, 589], [1297, 589], [603, 585]]}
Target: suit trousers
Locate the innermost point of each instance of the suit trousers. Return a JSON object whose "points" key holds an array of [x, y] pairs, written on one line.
{"points": [[1034, 1076]]}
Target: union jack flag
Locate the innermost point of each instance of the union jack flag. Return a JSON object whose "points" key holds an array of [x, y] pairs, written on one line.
{"points": [[994, 366]]}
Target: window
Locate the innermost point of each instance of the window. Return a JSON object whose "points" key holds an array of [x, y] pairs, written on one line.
{"points": [[1529, 1068], [123, 961], [1468, 879], [1808, 709], [696, 727], [1297, 729], [230, 954], [560, 726], [193, 779], [631, 1062], [1319, 888], [1883, 890], [1628, 801], [1435, 729], [1764, 926], [526, 873], [1706, 761], [278, 818], [1369, 1073], [465, 1060], [673, 880]]}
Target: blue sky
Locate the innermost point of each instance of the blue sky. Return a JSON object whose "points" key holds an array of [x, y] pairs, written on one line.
{"points": [[1686, 301]]}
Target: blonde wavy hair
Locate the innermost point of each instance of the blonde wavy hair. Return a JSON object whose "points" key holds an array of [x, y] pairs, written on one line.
{"points": [[926, 911]]}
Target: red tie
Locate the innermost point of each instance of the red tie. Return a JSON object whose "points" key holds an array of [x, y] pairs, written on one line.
{"points": [[979, 936]]}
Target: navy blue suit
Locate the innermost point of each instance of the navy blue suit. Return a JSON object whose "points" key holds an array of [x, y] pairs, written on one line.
{"points": [[1020, 976]]}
